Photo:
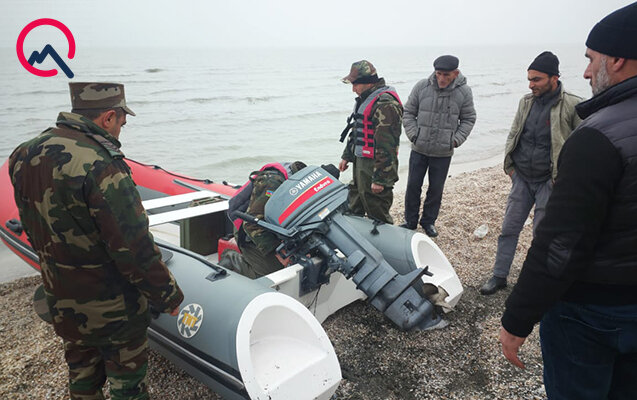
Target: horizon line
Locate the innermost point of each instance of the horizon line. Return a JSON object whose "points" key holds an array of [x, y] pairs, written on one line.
{"points": [[323, 46]]}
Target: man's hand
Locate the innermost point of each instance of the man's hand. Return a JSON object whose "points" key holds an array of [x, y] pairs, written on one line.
{"points": [[175, 312], [510, 346], [342, 166], [376, 188], [284, 261]]}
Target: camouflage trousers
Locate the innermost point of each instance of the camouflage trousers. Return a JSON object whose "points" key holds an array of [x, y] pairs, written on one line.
{"points": [[362, 201], [255, 263], [124, 365]]}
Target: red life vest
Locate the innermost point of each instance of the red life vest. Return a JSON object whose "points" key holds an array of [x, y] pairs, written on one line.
{"points": [[241, 199], [363, 126]]}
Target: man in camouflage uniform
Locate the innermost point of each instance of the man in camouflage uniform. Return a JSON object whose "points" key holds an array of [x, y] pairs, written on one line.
{"points": [[100, 266], [258, 245], [372, 145]]}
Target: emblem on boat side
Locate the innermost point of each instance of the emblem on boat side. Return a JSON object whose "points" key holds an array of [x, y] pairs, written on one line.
{"points": [[189, 320]]}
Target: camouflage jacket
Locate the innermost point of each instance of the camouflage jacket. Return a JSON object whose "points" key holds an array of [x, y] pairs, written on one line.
{"points": [[387, 118], [84, 218], [264, 184]]}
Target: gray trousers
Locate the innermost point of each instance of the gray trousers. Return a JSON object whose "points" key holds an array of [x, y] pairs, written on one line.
{"points": [[521, 199]]}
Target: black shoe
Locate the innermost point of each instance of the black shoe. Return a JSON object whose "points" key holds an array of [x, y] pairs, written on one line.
{"points": [[408, 226], [430, 230], [493, 285]]}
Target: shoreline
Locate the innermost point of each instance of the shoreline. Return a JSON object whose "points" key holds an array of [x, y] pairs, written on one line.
{"points": [[378, 361]]}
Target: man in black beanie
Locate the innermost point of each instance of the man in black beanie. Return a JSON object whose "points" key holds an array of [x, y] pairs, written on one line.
{"points": [[580, 274], [545, 118]]}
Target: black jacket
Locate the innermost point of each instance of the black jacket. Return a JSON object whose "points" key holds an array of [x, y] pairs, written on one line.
{"points": [[585, 248]]}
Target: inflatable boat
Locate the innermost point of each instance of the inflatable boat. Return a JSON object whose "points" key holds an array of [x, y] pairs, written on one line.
{"points": [[262, 339]]}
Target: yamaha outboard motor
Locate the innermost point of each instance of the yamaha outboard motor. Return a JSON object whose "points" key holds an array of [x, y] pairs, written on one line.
{"points": [[306, 213]]}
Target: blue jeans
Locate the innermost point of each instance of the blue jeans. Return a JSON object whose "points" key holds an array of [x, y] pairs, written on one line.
{"points": [[590, 351]]}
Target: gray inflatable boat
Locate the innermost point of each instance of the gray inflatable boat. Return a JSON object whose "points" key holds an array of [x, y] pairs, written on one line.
{"points": [[262, 339]]}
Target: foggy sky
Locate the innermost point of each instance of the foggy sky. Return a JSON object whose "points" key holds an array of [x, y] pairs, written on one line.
{"points": [[283, 23]]}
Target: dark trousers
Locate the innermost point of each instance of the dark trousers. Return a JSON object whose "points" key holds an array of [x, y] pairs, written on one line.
{"points": [[590, 351], [436, 168]]}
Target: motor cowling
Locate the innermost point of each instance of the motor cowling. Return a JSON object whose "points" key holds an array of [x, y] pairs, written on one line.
{"points": [[309, 207]]}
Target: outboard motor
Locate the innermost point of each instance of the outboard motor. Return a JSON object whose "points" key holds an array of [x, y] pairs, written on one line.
{"points": [[305, 212]]}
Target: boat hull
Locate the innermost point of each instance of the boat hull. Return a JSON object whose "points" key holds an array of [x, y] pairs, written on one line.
{"points": [[246, 339], [242, 338], [238, 336]]}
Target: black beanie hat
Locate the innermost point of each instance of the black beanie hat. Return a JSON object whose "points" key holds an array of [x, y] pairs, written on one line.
{"points": [[616, 34], [546, 62]]}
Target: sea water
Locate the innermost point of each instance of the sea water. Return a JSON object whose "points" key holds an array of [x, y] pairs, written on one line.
{"points": [[221, 113]]}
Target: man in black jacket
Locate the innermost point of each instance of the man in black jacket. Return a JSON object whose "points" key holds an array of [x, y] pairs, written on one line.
{"points": [[580, 274]]}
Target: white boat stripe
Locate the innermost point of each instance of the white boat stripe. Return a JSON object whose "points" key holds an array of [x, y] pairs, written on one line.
{"points": [[178, 199], [177, 215]]}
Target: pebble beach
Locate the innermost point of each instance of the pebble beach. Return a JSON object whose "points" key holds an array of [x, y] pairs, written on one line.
{"points": [[378, 361]]}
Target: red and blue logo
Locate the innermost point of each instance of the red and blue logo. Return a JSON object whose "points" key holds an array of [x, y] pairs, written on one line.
{"points": [[48, 50]]}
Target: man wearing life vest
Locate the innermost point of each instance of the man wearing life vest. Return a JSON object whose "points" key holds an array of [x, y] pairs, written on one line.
{"points": [[372, 146], [258, 245]]}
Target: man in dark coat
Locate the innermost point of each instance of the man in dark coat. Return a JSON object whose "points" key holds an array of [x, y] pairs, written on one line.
{"points": [[580, 274]]}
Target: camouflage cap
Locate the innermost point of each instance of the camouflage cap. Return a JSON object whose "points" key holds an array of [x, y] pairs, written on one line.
{"points": [[98, 95], [361, 72]]}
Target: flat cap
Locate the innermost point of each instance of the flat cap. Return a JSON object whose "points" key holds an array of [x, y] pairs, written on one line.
{"points": [[446, 63], [98, 95]]}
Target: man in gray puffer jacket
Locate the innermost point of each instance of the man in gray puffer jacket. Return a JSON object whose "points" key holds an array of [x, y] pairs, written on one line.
{"points": [[439, 116]]}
